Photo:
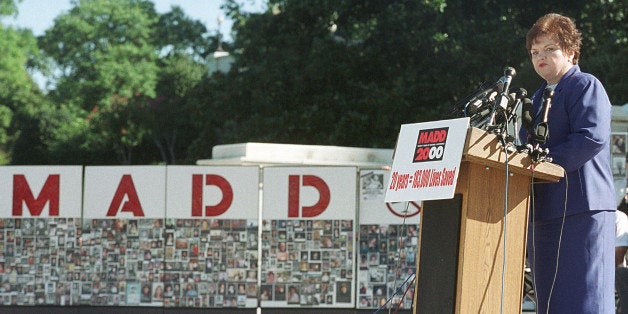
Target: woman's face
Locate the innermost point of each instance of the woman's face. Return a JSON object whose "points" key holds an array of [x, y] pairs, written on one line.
{"points": [[549, 60]]}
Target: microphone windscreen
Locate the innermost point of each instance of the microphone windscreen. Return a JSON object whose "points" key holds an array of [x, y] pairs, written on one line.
{"points": [[527, 116], [548, 93]]}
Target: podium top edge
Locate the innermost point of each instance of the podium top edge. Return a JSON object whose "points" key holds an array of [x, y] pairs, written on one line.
{"points": [[484, 148]]}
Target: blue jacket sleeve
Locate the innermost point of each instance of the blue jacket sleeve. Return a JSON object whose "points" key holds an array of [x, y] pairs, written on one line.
{"points": [[588, 113]]}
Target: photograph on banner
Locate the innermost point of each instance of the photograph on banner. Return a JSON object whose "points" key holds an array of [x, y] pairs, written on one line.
{"points": [[426, 161], [618, 164], [118, 255], [388, 241], [211, 263], [619, 154], [39, 261], [211, 237], [39, 227], [308, 245], [122, 252]]}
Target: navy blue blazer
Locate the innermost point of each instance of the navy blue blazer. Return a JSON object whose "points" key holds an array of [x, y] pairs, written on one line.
{"points": [[579, 123]]}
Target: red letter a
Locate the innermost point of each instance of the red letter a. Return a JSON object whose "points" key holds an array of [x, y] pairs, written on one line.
{"points": [[126, 187]]}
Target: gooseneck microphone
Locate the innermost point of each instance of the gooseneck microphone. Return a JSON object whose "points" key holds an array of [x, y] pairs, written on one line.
{"points": [[500, 104], [541, 133], [527, 115], [509, 72], [515, 99], [494, 108]]}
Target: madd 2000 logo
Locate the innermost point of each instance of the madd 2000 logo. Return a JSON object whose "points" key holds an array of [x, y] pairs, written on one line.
{"points": [[430, 144]]}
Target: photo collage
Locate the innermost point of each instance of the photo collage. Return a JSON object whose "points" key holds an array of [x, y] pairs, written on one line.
{"points": [[129, 262], [202, 262], [239, 261], [307, 263], [618, 151], [386, 264], [40, 261]]}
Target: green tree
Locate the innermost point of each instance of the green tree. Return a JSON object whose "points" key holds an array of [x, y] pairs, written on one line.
{"points": [[126, 71], [20, 97], [339, 72], [105, 53], [184, 45], [350, 72], [170, 121], [103, 48], [132, 86], [176, 33], [8, 7], [605, 47]]}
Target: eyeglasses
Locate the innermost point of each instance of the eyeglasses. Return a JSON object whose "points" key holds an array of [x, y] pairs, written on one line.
{"points": [[546, 51]]}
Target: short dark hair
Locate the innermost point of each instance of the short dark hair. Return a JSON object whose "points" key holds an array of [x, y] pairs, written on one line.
{"points": [[558, 27]]}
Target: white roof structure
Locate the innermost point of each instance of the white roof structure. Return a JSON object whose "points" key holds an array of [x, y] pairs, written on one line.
{"points": [[292, 154]]}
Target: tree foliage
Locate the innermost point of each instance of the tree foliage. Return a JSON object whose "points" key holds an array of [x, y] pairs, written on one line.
{"points": [[8, 7], [175, 33], [20, 99], [102, 48], [132, 85], [168, 117], [350, 72]]}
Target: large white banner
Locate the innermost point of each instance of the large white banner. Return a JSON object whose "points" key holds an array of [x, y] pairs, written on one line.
{"points": [[123, 244], [308, 242], [387, 245], [373, 208], [125, 192], [293, 193], [40, 191], [39, 227], [211, 235], [213, 192]]}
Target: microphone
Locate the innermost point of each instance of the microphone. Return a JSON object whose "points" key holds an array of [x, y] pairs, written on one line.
{"points": [[474, 102], [504, 81], [547, 95], [515, 99], [542, 129], [527, 115], [501, 102], [473, 107], [503, 84]]}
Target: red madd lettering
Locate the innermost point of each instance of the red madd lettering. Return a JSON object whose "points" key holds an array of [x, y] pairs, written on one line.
{"points": [[133, 205], [197, 195], [49, 194], [294, 196]]}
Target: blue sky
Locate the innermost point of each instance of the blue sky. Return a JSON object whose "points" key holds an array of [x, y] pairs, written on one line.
{"points": [[38, 15]]}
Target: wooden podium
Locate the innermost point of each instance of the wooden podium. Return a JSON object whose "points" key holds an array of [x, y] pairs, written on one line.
{"points": [[461, 253]]}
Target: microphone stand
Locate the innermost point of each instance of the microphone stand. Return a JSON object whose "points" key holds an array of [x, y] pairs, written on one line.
{"points": [[541, 132], [501, 102], [491, 108], [513, 117]]}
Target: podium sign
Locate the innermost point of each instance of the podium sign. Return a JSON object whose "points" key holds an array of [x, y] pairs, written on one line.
{"points": [[463, 263], [427, 160]]}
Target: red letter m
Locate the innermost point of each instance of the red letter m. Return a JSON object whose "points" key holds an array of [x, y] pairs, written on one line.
{"points": [[49, 194]]}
